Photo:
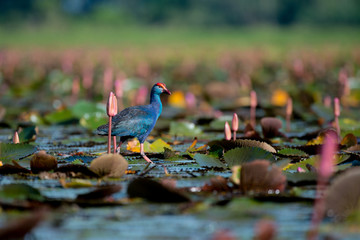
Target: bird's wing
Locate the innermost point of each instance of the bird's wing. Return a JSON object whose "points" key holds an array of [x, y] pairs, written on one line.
{"points": [[133, 121]]}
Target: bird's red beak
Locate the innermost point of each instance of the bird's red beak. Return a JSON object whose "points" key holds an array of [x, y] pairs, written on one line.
{"points": [[166, 91]]}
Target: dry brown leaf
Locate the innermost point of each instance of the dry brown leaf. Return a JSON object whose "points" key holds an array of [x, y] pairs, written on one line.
{"points": [[260, 176], [343, 196], [42, 162]]}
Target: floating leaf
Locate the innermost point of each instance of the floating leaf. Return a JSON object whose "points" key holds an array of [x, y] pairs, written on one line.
{"points": [[292, 152], [109, 165], [58, 117], [227, 145], [296, 178], [349, 140], [12, 169], [154, 191], [20, 191], [93, 120], [186, 129], [158, 146], [242, 155], [27, 134], [10, 151], [75, 183], [218, 124], [209, 161], [83, 108], [100, 193], [302, 164]]}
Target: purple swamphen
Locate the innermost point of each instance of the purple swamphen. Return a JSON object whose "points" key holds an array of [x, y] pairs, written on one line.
{"points": [[137, 121]]}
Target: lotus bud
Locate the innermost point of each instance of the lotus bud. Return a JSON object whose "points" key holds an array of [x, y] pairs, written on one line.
{"points": [[327, 156], [253, 103], [227, 131], [253, 99], [190, 100], [337, 114], [111, 105], [300, 170], [289, 109], [336, 107], [235, 124], [16, 138]]}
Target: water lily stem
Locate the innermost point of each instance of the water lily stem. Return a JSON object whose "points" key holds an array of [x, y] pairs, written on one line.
{"points": [[109, 136], [114, 142]]}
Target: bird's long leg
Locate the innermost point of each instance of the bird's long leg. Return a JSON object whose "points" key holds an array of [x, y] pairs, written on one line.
{"points": [[148, 160], [119, 146], [143, 153], [114, 141]]}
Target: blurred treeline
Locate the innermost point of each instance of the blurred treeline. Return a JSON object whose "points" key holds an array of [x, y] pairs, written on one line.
{"points": [[197, 13]]}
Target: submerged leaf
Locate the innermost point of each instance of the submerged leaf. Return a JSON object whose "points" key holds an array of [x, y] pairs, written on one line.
{"points": [[10, 151], [242, 155], [209, 161], [349, 140]]}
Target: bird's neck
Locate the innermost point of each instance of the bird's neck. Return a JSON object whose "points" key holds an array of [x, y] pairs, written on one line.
{"points": [[155, 101]]}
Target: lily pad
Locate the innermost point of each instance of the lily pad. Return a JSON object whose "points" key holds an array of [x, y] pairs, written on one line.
{"points": [[10, 151], [242, 155], [186, 129], [227, 145], [302, 164], [20, 191], [209, 161], [93, 120], [292, 152], [158, 146], [58, 117], [82, 108]]}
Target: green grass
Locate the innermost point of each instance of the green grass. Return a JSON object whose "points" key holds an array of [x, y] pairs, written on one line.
{"points": [[88, 36]]}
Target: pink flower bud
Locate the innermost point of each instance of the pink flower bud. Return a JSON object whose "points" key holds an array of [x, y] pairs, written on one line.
{"points": [[190, 100], [253, 99], [300, 170], [336, 107], [227, 131], [327, 156], [16, 138], [235, 122], [289, 107], [111, 107]]}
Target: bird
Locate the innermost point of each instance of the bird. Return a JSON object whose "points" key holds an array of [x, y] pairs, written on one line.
{"points": [[137, 121]]}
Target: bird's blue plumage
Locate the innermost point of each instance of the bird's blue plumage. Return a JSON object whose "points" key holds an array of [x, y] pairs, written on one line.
{"points": [[137, 121]]}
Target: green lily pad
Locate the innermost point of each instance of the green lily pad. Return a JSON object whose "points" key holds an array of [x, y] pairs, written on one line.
{"points": [[209, 161], [27, 134], [186, 129], [292, 152], [20, 191], [93, 120], [312, 160], [59, 116], [229, 144], [297, 178], [82, 108], [242, 155], [10, 151]]}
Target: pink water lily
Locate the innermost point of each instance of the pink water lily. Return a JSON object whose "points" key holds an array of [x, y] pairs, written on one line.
{"points": [[227, 131], [111, 109], [235, 125]]}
